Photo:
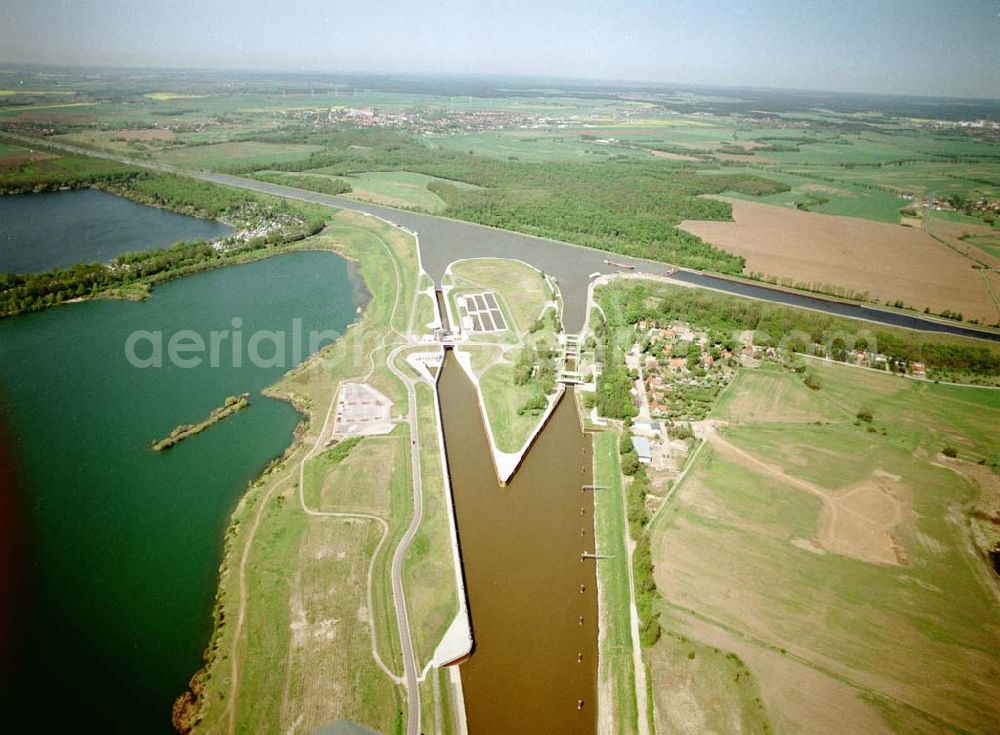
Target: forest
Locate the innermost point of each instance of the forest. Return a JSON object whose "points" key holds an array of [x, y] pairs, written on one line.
{"points": [[621, 204]]}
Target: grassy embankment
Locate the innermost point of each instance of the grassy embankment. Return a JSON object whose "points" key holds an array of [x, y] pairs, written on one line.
{"points": [[523, 296], [277, 621], [429, 573], [182, 432], [616, 674], [835, 555]]}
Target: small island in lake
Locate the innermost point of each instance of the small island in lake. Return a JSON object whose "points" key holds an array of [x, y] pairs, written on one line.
{"points": [[182, 432]]}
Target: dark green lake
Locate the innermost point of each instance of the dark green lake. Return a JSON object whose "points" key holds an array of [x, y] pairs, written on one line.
{"points": [[60, 228], [121, 545]]}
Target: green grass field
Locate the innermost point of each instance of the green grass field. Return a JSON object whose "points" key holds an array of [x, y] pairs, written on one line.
{"points": [[535, 147], [429, 578], [870, 586], [293, 625], [399, 189], [503, 399], [987, 243], [424, 314], [522, 288], [358, 483]]}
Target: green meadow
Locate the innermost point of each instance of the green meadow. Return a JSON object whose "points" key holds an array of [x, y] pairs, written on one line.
{"points": [[871, 579]]}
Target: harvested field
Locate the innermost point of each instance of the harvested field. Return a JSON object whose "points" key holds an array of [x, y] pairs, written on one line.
{"points": [[20, 157], [859, 521], [674, 156], [954, 232], [143, 134], [742, 158], [827, 252]]}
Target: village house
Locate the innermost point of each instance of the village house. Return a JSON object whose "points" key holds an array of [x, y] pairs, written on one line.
{"points": [[643, 449], [649, 429]]}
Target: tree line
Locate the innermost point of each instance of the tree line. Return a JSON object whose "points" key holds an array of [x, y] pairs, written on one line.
{"points": [[132, 273], [626, 304]]}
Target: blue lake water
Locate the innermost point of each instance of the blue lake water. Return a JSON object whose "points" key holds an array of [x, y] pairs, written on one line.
{"points": [[39, 232], [119, 546]]}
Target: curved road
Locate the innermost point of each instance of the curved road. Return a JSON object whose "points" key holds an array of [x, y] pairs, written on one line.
{"points": [[402, 617]]}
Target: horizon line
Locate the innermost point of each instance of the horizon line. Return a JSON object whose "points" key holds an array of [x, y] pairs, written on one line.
{"points": [[588, 81]]}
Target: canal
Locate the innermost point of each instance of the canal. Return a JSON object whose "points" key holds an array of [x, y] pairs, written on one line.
{"points": [[532, 599]]}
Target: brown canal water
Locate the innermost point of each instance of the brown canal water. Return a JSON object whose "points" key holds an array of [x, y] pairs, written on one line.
{"points": [[439, 295], [535, 656]]}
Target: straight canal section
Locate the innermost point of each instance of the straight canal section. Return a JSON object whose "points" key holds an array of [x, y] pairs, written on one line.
{"points": [[531, 586]]}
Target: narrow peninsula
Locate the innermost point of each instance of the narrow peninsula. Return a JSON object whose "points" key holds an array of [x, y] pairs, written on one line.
{"points": [[182, 432]]}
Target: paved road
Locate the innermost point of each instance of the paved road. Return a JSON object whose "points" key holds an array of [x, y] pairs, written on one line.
{"points": [[402, 617]]}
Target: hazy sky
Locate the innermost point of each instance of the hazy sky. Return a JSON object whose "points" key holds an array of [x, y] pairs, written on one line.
{"points": [[945, 47]]}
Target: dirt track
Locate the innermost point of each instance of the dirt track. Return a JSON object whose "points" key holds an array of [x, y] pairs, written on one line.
{"points": [[858, 522]]}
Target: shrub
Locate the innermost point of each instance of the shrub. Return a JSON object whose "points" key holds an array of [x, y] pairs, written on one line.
{"points": [[630, 462], [534, 405]]}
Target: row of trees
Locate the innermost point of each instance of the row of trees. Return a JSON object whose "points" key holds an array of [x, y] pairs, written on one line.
{"points": [[321, 184], [34, 291], [626, 304], [642, 558], [613, 396]]}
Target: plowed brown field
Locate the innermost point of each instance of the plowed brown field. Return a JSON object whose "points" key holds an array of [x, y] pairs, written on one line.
{"points": [[887, 261]]}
